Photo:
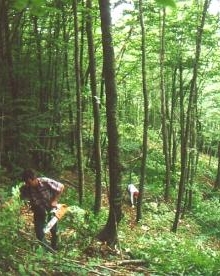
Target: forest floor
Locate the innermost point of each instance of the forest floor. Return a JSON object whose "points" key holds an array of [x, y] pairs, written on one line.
{"points": [[110, 261], [96, 258]]}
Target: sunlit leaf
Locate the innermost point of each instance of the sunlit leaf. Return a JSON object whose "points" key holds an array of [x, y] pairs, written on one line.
{"points": [[166, 3]]}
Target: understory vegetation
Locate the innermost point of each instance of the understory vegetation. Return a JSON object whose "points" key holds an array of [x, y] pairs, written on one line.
{"points": [[146, 248]]}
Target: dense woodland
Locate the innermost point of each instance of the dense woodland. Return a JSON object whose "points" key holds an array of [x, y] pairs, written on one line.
{"points": [[99, 99]]}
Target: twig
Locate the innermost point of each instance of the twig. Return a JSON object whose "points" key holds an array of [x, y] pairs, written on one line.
{"points": [[134, 159], [126, 262], [135, 262]]}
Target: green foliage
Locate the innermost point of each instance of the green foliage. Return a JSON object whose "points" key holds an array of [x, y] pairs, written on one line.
{"points": [[10, 224], [207, 214], [190, 252], [165, 3], [169, 254], [36, 7], [38, 122], [22, 254], [20, 4], [166, 253]]}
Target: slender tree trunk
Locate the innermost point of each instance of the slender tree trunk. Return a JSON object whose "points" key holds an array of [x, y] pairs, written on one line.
{"points": [[2, 76], [42, 154], [164, 111], [79, 105], [145, 126], [71, 137], [96, 104], [185, 140], [11, 87], [39, 60], [172, 133], [56, 124], [1, 127], [192, 153], [81, 48], [109, 233], [217, 181]]}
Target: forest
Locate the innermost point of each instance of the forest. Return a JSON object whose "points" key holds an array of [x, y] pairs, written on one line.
{"points": [[98, 95]]}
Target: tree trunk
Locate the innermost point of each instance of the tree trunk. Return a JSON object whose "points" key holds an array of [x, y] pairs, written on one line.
{"points": [[69, 94], [185, 139], [109, 233], [43, 100], [96, 104], [217, 181], [164, 111], [172, 133], [56, 124], [146, 111], [79, 106], [11, 83], [2, 77], [192, 153]]}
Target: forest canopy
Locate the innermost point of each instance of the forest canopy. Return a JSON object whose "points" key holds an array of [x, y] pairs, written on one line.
{"points": [[38, 99]]}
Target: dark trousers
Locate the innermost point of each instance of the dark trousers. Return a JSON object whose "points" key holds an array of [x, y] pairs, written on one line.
{"points": [[40, 220]]}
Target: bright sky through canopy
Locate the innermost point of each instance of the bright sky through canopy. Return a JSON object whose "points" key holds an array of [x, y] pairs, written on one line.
{"points": [[214, 7], [117, 12]]}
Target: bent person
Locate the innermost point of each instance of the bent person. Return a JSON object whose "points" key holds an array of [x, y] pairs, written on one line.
{"points": [[134, 193], [43, 194]]}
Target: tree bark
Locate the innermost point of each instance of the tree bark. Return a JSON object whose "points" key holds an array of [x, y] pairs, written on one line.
{"points": [[79, 105], [109, 233], [96, 104], [41, 154], [217, 181], [185, 139], [146, 111], [172, 133], [10, 84], [164, 112]]}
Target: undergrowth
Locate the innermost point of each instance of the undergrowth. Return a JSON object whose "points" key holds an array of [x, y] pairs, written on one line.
{"points": [[192, 251], [189, 252]]}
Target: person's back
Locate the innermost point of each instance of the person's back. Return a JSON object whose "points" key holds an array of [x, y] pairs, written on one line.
{"points": [[134, 193]]}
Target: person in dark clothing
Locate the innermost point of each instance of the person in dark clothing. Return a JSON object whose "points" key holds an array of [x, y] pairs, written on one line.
{"points": [[43, 194]]}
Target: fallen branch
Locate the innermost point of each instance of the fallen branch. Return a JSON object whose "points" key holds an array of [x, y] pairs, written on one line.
{"points": [[126, 262], [132, 262]]}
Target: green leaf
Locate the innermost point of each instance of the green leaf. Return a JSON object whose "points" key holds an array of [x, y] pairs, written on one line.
{"points": [[166, 3], [37, 7], [20, 4], [21, 269]]}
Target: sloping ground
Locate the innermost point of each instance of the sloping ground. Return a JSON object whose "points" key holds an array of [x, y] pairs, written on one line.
{"points": [[108, 261], [98, 259]]}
